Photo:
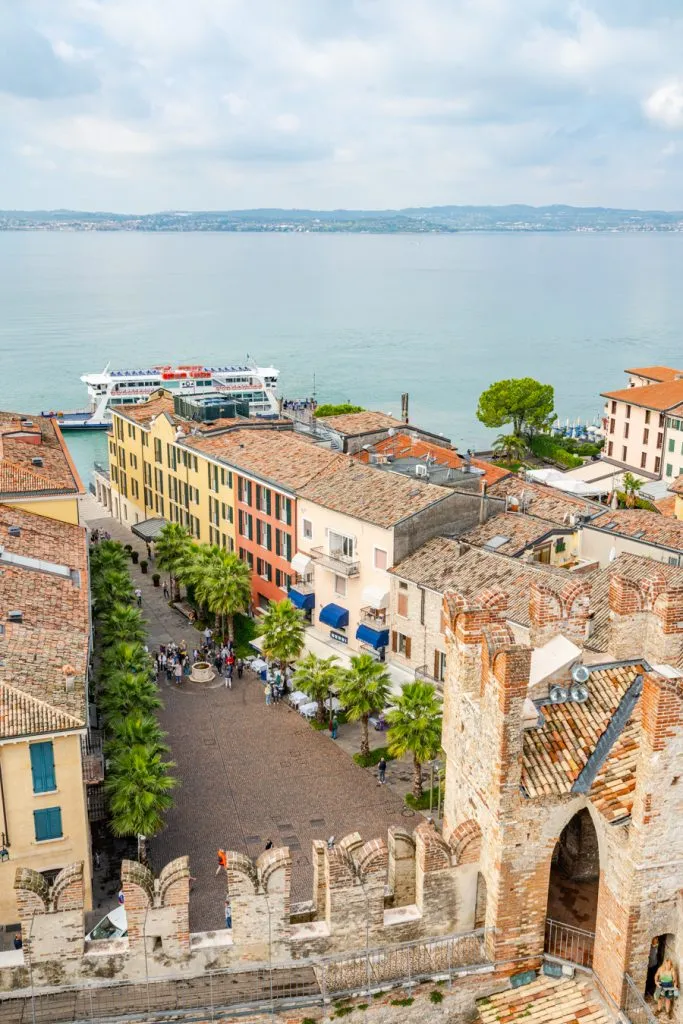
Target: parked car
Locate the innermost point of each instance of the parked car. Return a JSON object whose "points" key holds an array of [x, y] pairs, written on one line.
{"points": [[113, 926]]}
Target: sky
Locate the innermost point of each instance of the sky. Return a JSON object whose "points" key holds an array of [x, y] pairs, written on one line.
{"points": [[142, 105]]}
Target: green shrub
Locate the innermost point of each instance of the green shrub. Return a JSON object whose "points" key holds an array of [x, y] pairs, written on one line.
{"points": [[344, 1011], [408, 1001], [308, 1020], [337, 410], [245, 630], [640, 503], [373, 758], [362, 1006], [435, 996], [546, 447], [423, 803]]}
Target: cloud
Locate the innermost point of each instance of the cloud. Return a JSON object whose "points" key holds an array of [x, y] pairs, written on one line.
{"points": [[138, 104], [665, 106]]}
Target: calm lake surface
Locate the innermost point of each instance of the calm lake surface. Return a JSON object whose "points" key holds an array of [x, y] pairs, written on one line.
{"points": [[439, 316]]}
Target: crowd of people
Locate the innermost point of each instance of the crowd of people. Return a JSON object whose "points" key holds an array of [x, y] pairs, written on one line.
{"points": [[175, 661]]}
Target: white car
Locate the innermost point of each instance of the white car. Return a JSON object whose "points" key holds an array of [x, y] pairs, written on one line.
{"points": [[113, 926]]}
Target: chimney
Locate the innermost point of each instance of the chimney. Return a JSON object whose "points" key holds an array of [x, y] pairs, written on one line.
{"points": [[404, 407], [483, 504]]}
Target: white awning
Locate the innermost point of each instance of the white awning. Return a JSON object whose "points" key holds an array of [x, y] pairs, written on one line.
{"points": [[375, 597], [301, 563]]}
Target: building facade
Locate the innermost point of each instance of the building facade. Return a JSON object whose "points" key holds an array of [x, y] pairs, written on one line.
{"points": [[37, 473], [642, 423]]}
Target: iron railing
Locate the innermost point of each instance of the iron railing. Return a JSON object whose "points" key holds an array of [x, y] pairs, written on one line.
{"points": [[635, 1007], [336, 562], [568, 943], [295, 983]]}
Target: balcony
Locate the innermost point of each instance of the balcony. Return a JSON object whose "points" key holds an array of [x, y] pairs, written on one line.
{"points": [[335, 561], [302, 584], [373, 617]]}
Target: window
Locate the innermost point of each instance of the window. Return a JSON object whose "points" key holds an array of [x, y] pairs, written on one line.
{"points": [[213, 476], [226, 512], [122, 458], [402, 603], [283, 545], [171, 456], [263, 536], [282, 579], [307, 529], [658, 464], [381, 559], [48, 824], [614, 407], [283, 509], [263, 498], [400, 644], [244, 491], [628, 412], [340, 586], [626, 426], [157, 449], [134, 489], [133, 460], [610, 447], [423, 594], [647, 415], [646, 436], [159, 480], [439, 666], [672, 444], [264, 569], [643, 460], [245, 524], [145, 441], [43, 767], [661, 419], [226, 477], [341, 546], [623, 454], [660, 440], [611, 426], [669, 469]]}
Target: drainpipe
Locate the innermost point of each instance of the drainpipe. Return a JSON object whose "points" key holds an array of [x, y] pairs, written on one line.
{"points": [[5, 834], [483, 503]]}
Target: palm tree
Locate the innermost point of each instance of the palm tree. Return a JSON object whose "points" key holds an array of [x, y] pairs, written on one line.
{"points": [[139, 789], [108, 554], [282, 630], [171, 548], [632, 486], [109, 586], [364, 688], [415, 726], [511, 446], [316, 677], [126, 692], [122, 622], [224, 586], [126, 657], [135, 730]]}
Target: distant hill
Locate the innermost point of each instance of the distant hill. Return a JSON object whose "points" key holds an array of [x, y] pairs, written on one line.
{"points": [[414, 220]]}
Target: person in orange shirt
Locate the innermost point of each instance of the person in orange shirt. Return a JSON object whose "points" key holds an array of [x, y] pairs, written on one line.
{"points": [[222, 862]]}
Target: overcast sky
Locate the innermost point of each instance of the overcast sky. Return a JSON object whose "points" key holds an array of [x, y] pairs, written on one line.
{"points": [[135, 105]]}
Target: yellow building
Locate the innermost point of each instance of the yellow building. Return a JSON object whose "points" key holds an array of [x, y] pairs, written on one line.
{"points": [[677, 488], [36, 470], [44, 648], [153, 475]]}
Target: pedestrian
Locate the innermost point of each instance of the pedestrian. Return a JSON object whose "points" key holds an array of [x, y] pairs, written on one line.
{"points": [[222, 862], [121, 897], [97, 860], [335, 727], [186, 667], [18, 943], [275, 692], [169, 668], [268, 693], [195, 654], [382, 770], [178, 672], [207, 637], [138, 596], [228, 914], [218, 663], [269, 844], [240, 668], [149, 552], [166, 594]]}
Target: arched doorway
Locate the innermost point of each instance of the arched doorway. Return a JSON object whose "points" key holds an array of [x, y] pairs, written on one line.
{"points": [[661, 947], [573, 892]]}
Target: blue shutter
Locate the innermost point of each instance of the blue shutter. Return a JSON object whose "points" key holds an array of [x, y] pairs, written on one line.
{"points": [[42, 767], [48, 824]]}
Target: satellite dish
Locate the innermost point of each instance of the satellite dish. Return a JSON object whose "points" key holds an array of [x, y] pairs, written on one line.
{"points": [[558, 694], [580, 674], [579, 693], [612, 554]]}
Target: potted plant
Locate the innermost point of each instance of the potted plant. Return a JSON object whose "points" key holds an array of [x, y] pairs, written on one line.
{"points": [[135, 555], [128, 548], [144, 565], [156, 579]]}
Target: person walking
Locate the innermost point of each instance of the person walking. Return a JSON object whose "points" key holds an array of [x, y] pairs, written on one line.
{"points": [[382, 771], [240, 668], [166, 594], [227, 675], [169, 667], [335, 727], [207, 637], [138, 596], [228, 914], [178, 672], [222, 862], [268, 694]]}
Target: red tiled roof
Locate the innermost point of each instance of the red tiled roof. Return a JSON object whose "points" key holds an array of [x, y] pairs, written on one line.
{"points": [[353, 423], [660, 397], [544, 1001], [666, 506], [656, 373], [641, 524], [542, 501], [403, 445], [20, 444], [677, 485]]}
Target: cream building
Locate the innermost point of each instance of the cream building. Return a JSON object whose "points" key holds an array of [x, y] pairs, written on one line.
{"points": [[642, 423], [353, 524]]}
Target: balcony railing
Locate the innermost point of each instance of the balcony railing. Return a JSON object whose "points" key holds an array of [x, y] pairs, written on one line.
{"points": [[635, 1008], [568, 943], [302, 585], [335, 561], [373, 618]]}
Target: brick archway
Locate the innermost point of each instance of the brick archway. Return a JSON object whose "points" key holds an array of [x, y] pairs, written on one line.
{"points": [[573, 886]]}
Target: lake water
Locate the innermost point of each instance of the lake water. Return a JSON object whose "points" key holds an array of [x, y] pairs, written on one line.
{"points": [[439, 316]]}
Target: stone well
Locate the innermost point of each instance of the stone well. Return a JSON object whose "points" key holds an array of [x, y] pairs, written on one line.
{"points": [[202, 672]]}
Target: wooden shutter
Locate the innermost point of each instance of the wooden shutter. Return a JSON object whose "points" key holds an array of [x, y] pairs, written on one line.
{"points": [[408, 645], [437, 663], [42, 767], [394, 641]]}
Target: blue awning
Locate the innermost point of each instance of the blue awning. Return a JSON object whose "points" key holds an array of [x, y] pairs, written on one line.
{"points": [[303, 601], [335, 616], [374, 637]]}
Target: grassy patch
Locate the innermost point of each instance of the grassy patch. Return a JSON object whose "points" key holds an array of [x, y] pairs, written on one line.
{"points": [[422, 804], [344, 1011], [624, 502], [377, 995], [245, 630], [408, 1001], [337, 410], [362, 1006], [373, 758], [325, 726], [435, 996]]}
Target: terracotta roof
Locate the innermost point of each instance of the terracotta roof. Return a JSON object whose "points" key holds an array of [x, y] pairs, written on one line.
{"points": [[677, 485], [403, 444], [542, 501], [353, 423], [640, 524], [43, 575], [555, 754], [368, 494], [20, 444], [544, 1001], [660, 397], [281, 457], [520, 531], [656, 373], [145, 412], [163, 405], [614, 786], [666, 506], [439, 566]]}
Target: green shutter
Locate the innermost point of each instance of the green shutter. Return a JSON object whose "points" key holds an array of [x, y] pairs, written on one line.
{"points": [[289, 511], [42, 767], [48, 824], [268, 500]]}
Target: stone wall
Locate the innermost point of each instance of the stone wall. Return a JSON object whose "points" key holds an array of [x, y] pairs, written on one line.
{"points": [[452, 516], [646, 619]]}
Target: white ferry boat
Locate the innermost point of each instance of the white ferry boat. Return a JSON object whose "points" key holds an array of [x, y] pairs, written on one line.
{"points": [[256, 385]]}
